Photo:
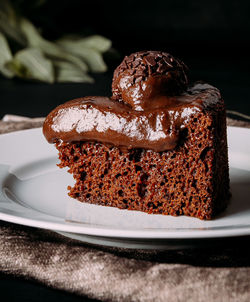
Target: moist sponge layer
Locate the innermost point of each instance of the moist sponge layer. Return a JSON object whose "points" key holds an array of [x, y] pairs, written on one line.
{"points": [[190, 180]]}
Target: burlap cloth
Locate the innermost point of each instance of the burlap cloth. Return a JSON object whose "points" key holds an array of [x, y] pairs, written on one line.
{"points": [[110, 274]]}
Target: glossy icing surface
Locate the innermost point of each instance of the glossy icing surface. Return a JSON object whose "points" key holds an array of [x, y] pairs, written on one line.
{"points": [[100, 119], [147, 74]]}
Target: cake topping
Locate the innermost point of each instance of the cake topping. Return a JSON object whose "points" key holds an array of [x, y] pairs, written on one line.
{"points": [[144, 76], [101, 119], [150, 106]]}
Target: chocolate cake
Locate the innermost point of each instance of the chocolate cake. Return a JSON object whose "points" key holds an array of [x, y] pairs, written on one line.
{"points": [[157, 145]]}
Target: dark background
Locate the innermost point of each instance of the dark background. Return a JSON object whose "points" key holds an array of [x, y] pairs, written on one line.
{"points": [[211, 37]]}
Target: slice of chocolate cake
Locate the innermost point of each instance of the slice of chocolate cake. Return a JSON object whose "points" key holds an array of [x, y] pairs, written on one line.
{"points": [[157, 145]]}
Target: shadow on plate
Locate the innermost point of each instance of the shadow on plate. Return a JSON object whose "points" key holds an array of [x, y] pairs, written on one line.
{"points": [[240, 189]]}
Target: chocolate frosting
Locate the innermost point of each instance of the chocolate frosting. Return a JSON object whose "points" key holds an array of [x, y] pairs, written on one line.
{"points": [[144, 75], [105, 120], [150, 106]]}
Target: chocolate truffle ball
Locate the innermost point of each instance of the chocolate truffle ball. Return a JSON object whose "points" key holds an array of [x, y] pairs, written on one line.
{"points": [[143, 76]]}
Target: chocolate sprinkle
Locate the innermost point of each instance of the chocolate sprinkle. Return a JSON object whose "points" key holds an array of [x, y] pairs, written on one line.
{"points": [[140, 65]]}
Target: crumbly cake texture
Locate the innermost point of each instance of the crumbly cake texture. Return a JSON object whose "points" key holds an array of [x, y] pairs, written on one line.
{"points": [[190, 180], [158, 145]]}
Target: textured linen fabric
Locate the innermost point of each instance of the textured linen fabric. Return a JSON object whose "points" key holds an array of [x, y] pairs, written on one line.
{"points": [[217, 273]]}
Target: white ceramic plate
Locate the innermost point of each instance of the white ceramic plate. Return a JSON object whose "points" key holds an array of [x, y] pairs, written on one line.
{"points": [[33, 192]]}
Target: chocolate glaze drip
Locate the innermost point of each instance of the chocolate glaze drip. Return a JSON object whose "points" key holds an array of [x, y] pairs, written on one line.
{"points": [[104, 120]]}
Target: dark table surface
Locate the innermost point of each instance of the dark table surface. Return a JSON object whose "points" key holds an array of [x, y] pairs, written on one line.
{"points": [[38, 99], [14, 289]]}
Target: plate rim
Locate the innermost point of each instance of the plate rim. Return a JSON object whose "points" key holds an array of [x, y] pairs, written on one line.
{"points": [[59, 224]]}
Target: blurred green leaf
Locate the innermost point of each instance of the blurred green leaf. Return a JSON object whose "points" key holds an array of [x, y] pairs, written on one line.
{"points": [[93, 59], [96, 42], [90, 56], [66, 60], [30, 63], [67, 72], [99, 43], [9, 23], [49, 48], [5, 56]]}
